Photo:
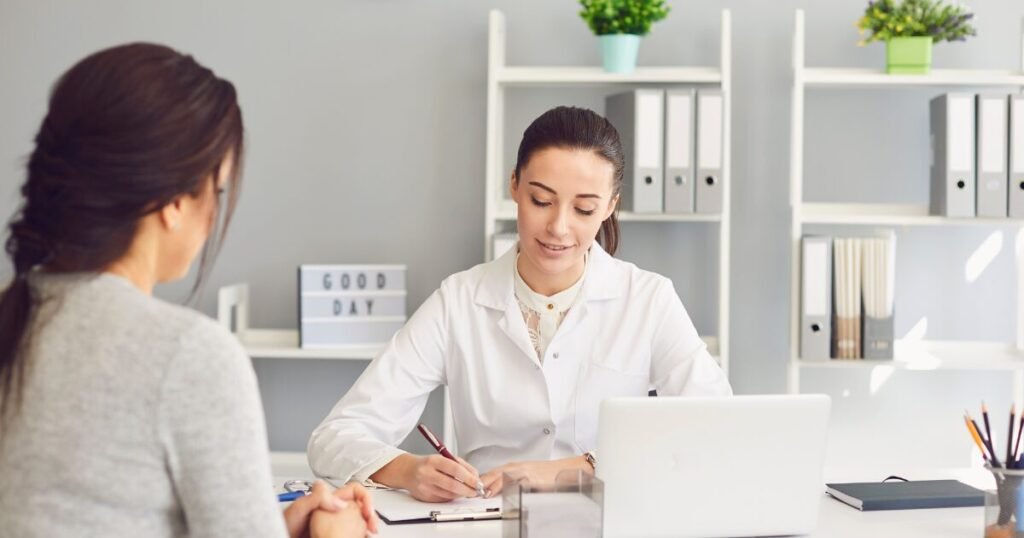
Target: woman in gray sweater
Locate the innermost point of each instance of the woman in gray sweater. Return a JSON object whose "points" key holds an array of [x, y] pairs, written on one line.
{"points": [[120, 414]]}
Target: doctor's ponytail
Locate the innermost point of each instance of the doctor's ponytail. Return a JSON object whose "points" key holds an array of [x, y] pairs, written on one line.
{"points": [[583, 129]]}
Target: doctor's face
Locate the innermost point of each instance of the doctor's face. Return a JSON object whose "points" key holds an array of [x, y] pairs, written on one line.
{"points": [[563, 196]]}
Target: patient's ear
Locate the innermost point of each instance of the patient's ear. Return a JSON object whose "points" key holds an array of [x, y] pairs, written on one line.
{"points": [[171, 214]]}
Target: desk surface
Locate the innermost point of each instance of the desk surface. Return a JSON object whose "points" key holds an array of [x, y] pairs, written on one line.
{"points": [[835, 519]]}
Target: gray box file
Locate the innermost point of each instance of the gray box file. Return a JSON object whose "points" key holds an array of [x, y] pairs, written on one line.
{"points": [[347, 305], [952, 155], [816, 298], [351, 277], [710, 141], [638, 116], [679, 150], [991, 162], [878, 337], [1016, 153]]}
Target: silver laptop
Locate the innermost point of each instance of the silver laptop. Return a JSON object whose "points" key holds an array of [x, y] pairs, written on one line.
{"points": [[730, 466]]}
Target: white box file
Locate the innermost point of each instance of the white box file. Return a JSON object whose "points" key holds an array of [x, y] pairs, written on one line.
{"points": [[638, 116], [952, 155]]}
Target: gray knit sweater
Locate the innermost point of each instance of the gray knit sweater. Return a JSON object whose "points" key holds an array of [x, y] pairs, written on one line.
{"points": [[138, 418]]}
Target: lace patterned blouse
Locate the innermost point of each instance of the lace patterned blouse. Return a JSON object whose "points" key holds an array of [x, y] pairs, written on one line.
{"points": [[542, 314]]}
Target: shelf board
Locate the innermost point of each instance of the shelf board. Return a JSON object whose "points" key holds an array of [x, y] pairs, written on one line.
{"points": [[509, 214], [569, 76], [890, 214], [824, 77], [936, 355], [284, 344]]}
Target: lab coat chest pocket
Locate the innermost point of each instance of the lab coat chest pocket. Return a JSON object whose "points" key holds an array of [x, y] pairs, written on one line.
{"points": [[598, 382]]}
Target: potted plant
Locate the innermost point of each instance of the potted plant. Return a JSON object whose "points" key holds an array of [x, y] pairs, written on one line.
{"points": [[620, 24], [910, 27]]}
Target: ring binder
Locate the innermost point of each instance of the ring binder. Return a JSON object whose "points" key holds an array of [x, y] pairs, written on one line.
{"points": [[638, 116]]}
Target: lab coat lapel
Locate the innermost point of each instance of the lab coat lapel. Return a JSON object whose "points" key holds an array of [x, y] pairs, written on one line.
{"points": [[495, 291], [514, 326]]}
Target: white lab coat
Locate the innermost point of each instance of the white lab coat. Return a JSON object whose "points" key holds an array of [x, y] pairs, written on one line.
{"points": [[627, 333]]}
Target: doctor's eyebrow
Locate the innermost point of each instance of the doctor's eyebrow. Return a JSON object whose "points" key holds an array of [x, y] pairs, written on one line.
{"points": [[552, 191]]}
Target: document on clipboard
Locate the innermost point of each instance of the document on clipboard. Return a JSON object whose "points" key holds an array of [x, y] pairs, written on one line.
{"points": [[396, 507]]}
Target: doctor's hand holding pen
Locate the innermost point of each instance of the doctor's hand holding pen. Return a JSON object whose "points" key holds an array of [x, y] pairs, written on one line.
{"points": [[436, 478]]}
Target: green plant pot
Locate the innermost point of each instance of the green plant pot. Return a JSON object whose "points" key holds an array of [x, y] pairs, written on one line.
{"points": [[619, 51], [908, 55]]}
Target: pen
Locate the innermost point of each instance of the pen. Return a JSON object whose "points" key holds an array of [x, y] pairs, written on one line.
{"points": [[443, 450], [289, 496]]}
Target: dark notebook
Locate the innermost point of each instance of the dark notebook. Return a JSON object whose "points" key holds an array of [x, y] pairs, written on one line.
{"points": [[906, 495]]}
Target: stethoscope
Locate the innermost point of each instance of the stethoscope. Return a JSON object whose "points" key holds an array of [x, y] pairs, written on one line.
{"points": [[294, 489]]}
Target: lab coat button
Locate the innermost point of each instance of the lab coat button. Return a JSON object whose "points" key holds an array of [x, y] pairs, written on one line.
{"points": [[554, 355], [547, 431]]}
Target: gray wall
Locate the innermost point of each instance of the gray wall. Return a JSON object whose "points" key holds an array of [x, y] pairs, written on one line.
{"points": [[366, 144]]}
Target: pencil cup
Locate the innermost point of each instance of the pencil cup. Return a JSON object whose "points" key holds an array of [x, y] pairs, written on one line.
{"points": [[570, 507], [1005, 505]]}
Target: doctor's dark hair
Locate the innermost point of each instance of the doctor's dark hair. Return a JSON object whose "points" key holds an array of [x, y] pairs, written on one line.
{"points": [[581, 129], [128, 129]]}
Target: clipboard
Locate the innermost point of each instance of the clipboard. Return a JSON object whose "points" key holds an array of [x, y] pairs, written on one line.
{"points": [[396, 507]]}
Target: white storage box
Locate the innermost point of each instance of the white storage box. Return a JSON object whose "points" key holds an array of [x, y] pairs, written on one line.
{"points": [[350, 305]]}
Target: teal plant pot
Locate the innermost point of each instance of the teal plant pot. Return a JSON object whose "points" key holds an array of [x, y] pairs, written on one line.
{"points": [[908, 55], [619, 51]]}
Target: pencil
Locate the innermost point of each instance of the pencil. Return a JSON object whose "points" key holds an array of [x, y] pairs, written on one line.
{"points": [[1009, 439], [1016, 446], [974, 435], [991, 453], [988, 434]]}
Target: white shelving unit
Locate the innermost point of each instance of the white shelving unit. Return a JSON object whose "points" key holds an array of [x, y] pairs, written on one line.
{"points": [[233, 314], [501, 76], [909, 354]]}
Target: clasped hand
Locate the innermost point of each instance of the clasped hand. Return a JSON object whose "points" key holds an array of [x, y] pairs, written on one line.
{"points": [[344, 512]]}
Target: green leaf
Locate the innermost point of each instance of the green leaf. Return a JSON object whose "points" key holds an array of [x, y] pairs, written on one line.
{"points": [[885, 19], [622, 16]]}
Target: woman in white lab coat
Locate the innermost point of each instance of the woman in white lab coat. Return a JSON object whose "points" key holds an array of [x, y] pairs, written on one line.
{"points": [[528, 344]]}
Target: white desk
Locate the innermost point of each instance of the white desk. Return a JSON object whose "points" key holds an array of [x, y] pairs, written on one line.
{"points": [[835, 519]]}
